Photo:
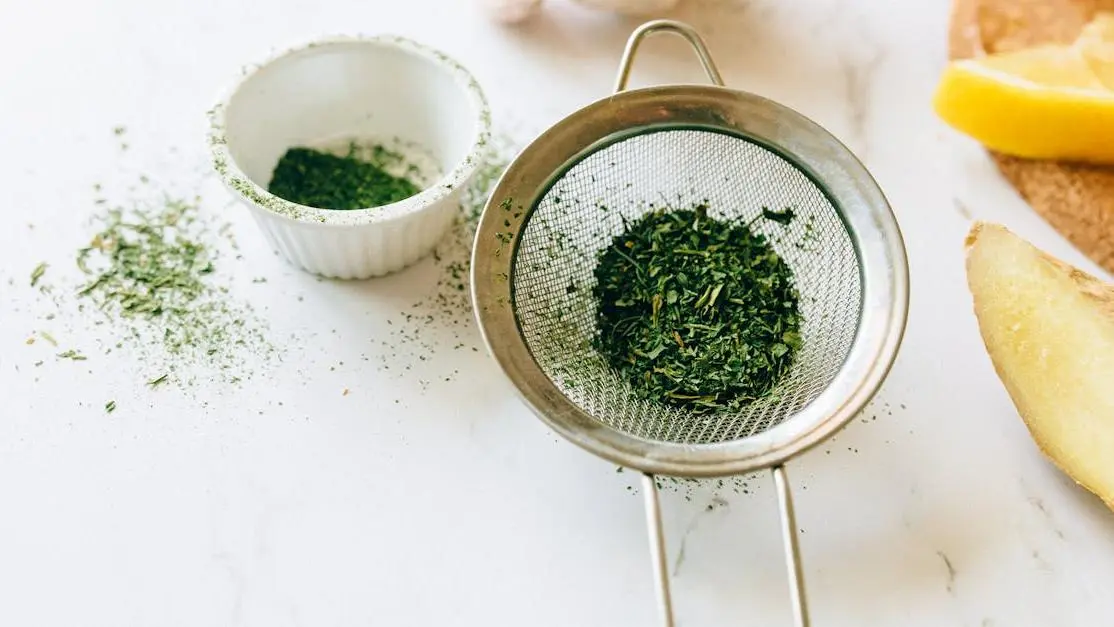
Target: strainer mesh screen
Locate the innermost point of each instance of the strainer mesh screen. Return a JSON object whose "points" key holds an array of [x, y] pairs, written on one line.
{"points": [[552, 278]]}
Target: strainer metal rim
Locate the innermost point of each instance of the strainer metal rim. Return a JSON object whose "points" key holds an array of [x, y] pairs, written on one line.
{"points": [[873, 229]]}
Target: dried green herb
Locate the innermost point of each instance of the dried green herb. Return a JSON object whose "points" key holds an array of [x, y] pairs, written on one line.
{"points": [[110, 407], [158, 380], [783, 217], [150, 267], [696, 312], [37, 273], [434, 329], [328, 181], [153, 284]]}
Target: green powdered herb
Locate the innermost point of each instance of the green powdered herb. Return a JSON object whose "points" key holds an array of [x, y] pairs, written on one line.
{"points": [[72, 354], [696, 312], [328, 181]]}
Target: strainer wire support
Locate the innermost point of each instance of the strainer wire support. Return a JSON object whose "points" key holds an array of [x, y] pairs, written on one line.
{"points": [[653, 506], [792, 549], [657, 548]]}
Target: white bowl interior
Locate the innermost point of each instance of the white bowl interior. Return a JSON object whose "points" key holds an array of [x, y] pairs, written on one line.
{"points": [[363, 90]]}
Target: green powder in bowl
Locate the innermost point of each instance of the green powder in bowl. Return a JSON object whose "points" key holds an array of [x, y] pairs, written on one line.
{"points": [[358, 179], [315, 98]]}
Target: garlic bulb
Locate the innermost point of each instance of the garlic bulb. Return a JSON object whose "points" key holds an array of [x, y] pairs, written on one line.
{"points": [[511, 11], [631, 7]]}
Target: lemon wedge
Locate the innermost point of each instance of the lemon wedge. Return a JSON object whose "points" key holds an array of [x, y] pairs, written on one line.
{"points": [[1044, 102]]}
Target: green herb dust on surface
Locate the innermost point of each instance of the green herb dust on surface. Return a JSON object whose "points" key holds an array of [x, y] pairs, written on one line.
{"points": [[696, 312], [152, 264], [325, 180], [155, 287], [431, 333], [154, 282]]}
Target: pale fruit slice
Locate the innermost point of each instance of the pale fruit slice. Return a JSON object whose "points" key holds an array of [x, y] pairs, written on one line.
{"points": [[1096, 44], [1049, 330], [1045, 102]]}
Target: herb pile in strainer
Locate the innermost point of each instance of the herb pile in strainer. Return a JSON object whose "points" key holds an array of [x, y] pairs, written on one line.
{"points": [[696, 312]]}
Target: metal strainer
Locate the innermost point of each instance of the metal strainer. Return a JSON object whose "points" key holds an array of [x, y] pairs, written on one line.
{"points": [[567, 194]]}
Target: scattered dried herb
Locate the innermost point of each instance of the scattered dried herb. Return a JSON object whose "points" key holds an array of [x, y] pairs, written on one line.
{"points": [[328, 181], [37, 273], [151, 265], [783, 217], [158, 380], [110, 407], [147, 266], [440, 323], [153, 286], [696, 312]]}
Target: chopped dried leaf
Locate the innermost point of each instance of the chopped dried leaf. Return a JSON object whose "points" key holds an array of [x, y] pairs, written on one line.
{"points": [[696, 312], [37, 273]]}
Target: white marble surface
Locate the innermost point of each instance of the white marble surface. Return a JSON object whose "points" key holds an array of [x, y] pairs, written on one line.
{"points": [[416, 500]]}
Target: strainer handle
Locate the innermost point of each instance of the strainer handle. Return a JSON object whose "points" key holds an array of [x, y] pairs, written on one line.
{"points": [[789, 536], [792, 550], [671, 26], [657, 548]]}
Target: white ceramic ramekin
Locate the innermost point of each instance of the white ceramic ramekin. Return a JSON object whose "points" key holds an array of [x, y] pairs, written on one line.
{"points": [[379, 88]]}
